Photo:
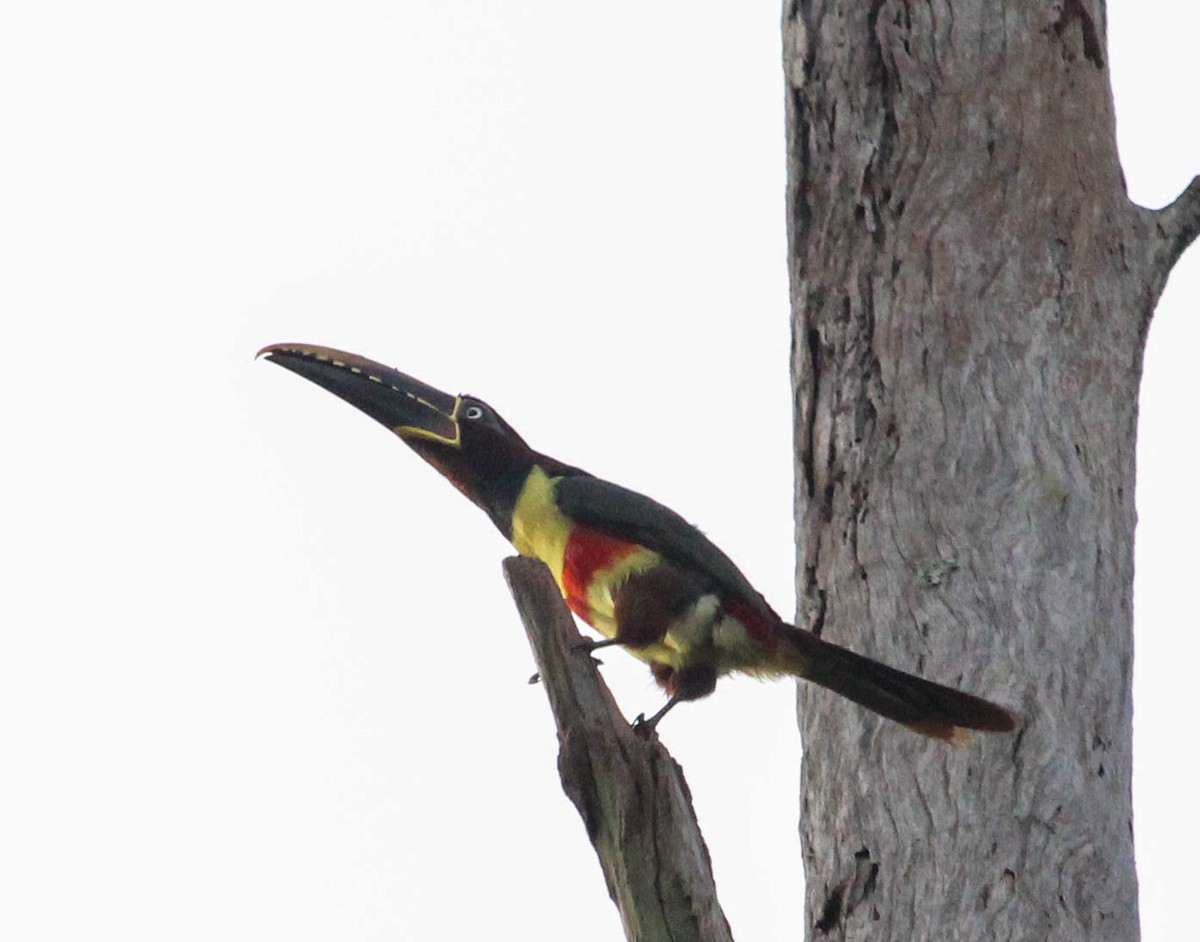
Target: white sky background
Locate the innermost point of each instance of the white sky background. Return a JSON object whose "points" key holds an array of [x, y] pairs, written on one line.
{"points": [[259, 674]]}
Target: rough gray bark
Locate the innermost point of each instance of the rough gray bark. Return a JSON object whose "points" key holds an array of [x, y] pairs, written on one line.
{"points": [[630, 793], [971, 290]]}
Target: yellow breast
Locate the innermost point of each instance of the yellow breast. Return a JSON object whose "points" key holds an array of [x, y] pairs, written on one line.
{"points": [[539, 528]]}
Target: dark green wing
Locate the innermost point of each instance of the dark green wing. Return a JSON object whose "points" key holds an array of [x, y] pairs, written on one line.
{"points": [[627, 515]]}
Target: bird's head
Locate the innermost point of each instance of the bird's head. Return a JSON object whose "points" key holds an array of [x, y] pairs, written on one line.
{"points": [[463, 437]]}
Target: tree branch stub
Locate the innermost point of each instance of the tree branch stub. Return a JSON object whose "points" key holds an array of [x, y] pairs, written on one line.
{"points": [[1177, 225], [631, 794]]}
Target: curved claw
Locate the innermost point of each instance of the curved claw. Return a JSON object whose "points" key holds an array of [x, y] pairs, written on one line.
{"points": [[642, 727]]}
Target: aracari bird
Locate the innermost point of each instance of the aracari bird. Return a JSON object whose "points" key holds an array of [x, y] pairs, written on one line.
{"points": [[634, 570]]}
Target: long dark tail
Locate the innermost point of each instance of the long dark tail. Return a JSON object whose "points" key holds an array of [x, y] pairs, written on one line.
{"points": [[921, 705]]}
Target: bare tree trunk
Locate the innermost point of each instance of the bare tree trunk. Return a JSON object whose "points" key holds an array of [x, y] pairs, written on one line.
{"points": [[971, 290]]}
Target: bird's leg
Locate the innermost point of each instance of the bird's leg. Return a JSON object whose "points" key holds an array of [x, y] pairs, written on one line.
{"points": [[591, 645], [588, 645], [691, 682], [645, 727]]}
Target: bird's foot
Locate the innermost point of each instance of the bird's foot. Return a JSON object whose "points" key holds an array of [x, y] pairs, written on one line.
{"points": [[590, 646], [643, 727], [593, 645], [646, 728]]}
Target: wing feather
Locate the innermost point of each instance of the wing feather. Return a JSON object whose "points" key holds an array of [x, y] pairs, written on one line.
{"points": [[628, 515]]}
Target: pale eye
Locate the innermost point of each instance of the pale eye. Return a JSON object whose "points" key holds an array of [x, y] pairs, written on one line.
{"points": [[473, 412]]}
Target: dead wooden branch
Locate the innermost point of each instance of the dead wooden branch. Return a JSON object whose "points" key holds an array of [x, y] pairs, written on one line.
{"points": [[631, 794]]}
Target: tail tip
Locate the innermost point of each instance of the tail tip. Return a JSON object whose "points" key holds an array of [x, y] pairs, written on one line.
{"points": [[999, 720]]}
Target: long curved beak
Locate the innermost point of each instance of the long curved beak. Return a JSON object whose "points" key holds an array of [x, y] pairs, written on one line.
{"points": [[410, 408]]}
